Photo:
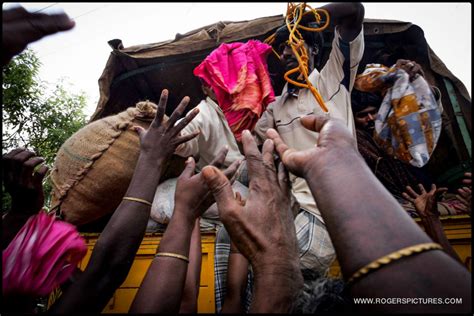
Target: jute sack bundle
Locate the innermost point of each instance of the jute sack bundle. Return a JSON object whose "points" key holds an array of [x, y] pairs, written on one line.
{"points": [[94, 167]]}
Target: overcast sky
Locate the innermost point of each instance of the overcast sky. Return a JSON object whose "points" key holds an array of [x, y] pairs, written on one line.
{"points": [[80, 55]]}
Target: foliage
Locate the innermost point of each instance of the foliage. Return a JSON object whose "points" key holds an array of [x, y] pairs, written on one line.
{"points": [[33, 117]]}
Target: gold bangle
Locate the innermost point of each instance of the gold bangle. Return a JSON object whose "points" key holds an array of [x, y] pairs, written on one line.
{"points": [[405, 252], [137, 200], [172, 255]]}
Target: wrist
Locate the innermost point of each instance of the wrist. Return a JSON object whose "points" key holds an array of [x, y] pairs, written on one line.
{"points": [[183, 215]]}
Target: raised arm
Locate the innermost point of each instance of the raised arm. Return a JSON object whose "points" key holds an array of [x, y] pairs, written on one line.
{"points": [[24, 184], [162, 288], [348, 17], [263, 229], [426, 206], [117, 245], [20, 27], [366, 223]]}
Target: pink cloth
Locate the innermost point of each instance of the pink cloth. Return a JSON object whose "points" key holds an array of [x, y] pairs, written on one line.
{"points": [[42, 255], [238, 75]]}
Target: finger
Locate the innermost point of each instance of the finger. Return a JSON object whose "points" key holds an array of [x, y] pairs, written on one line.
{"points": [[140, 131], [462, 199], [40, 173], [31, 163], [252, 155], [185, 121], [422, 188], [283, 179], [185, 138], [267, 155], [218, 161], [23, 156], [178, 112], [188, 171], [239, 198], [279, 144], [411, 191], [41, 25], [433, 189], [12, 153], [407, 197], [220, 188], [160, 111], [230, 172], [314, 123]]}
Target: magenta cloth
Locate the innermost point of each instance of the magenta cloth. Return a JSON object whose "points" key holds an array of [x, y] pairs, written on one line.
{"points": [[238, 75], [42, 255]]}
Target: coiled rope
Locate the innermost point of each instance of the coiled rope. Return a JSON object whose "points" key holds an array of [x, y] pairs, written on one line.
{"points": [[294, 14]]}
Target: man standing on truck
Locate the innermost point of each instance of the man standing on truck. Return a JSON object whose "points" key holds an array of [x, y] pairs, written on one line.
{"points": [[334, 82]]}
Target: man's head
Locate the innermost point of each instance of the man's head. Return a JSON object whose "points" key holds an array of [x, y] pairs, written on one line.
{"points": [[313, 42], [365, 106]]}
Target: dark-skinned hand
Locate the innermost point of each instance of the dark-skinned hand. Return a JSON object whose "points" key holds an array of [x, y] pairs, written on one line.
{"points": [[425, 202], [23, 175], [411, 68], [192, 192], [465, 194], [21, 27], [161, 139], [263, 228], [334, 140]]}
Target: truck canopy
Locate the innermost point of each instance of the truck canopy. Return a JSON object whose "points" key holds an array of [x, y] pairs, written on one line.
{"points": [[140, 72]]}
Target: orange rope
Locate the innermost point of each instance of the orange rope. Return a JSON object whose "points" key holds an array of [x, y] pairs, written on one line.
{"points": [[296, 42]]}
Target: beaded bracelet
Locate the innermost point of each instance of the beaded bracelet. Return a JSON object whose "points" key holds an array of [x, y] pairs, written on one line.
{"points": [[405, 252]]}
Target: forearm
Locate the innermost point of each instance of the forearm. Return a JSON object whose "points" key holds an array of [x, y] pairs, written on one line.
{"points": [[162, 288], [366, 223], [276, 288], [236, 283], [116, 247], [348, 15], [193, 274], [11, 225], [434, 229]]}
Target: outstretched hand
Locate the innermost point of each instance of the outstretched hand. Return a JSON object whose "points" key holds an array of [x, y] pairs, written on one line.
{"points": [[425, 202], [161, 139], [465, 193], [263, 228], [23, 174], [21, 27], [334, 142], [192, 192]]}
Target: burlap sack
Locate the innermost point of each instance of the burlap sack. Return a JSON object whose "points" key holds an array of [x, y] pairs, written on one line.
{"points": [[94, 167]]}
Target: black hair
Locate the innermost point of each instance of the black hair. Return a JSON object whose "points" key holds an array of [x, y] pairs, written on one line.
{"points": [[361, 100]]}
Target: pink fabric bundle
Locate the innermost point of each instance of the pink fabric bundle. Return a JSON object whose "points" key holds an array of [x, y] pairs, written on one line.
{"points": [[238, 75], [42, 255]]}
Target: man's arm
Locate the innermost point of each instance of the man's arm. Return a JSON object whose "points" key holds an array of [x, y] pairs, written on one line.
{"points": [[426, 206], [117, 245], [162, 288], [348, 17], [366, 223]]}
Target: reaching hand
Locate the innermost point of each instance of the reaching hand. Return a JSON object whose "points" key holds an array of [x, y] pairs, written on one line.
{"points": [[425, 203], [192, 191], [263, 229], [21, 27], [334, 142], [411, 68], [161, 139], [465, 193], [23, 178]]}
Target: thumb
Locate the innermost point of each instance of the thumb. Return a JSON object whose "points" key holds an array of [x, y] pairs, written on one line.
{"points": [[189, 169], [140, 131], [220, 188], [314, 123]]}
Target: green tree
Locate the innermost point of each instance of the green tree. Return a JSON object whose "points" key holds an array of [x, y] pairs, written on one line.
{"points": [[34, 118]]}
